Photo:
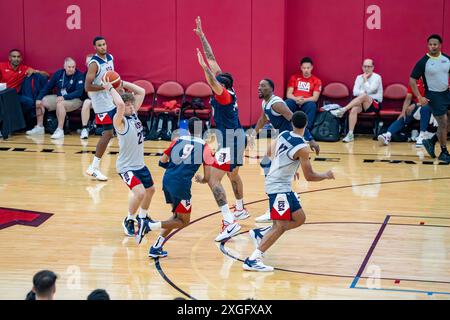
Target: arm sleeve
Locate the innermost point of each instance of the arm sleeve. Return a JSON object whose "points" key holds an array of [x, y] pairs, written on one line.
{"points": [[49, 86], [419, 69], [79, 88], [224, 98], [169, 149]]}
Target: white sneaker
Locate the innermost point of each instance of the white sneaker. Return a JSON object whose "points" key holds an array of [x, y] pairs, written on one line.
{"points": [[84, 134], [429, 135], [264, 217], [228, 230], [36, 130], [241, 214], [348, 138], [58, 134], [256, 265], [384, 139], [419, 141], [339, 113], [95, 172], [257, 235]]}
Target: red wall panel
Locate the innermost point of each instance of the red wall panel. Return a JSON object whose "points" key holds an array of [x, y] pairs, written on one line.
{"points": [[402, 39], [141, 37], [11, 26], [48, 40], [328, 31], [268, 49], [446, 27], [228, 30]]}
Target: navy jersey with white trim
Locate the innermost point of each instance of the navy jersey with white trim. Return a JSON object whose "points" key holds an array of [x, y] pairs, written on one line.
{"points": [[277, 120], [226, 116]]}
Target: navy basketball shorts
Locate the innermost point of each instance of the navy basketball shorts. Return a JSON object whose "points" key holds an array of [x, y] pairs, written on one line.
{"points": [[230, 154], [105, 119], [439, 102], [282, 205], [374, 107], [182, 206], [135, 177]]}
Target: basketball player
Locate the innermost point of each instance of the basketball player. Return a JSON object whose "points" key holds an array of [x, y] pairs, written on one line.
{"points": [[278, 113], [130, 161], [230, 136], [181, 161], [289, 151], [102, 102]]}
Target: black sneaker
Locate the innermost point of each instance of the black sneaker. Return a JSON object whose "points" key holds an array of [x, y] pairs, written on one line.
{"points": [[444, 157], [143, 229], [429, 146], [128, 227]]}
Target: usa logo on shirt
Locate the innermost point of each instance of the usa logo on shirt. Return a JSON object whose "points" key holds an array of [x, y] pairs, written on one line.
{"points": [[303, 86]]}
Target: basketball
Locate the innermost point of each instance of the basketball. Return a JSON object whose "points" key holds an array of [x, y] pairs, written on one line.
{"points": [[114, 78]]}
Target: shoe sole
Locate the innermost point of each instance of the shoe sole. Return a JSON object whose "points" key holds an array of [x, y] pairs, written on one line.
{"points": [[228, 236], [242, 217], [95, 177], [154, 256], [248, 268]]}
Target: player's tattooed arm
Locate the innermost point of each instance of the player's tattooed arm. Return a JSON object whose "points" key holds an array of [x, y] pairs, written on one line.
{"points": [[210, 78], [219, 195], [206, 47]]}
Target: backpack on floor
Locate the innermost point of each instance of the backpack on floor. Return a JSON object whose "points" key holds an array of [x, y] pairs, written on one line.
{"points": [[326, 127]]}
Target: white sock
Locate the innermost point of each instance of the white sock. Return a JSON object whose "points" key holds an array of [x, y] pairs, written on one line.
{"points": [[239, 204], [388, 134], [256, 254], [143, 213], [131, 216], [96, 162], [159, 242], [155, 225], [228, 217]]}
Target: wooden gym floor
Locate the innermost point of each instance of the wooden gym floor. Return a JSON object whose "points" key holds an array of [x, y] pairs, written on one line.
{"points": [[381, 230]]}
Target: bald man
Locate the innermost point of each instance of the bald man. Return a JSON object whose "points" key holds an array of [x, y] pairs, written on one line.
{"points": [[368, 93]]}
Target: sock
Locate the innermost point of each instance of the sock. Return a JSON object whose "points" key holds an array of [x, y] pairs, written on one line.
{"points": [[444, 149], [159, 242], [239, 204], [143, 213], [388, 134], [96, 162], [434, 139], [131, 216], [228, 217], [155, 225], [256, 254]]}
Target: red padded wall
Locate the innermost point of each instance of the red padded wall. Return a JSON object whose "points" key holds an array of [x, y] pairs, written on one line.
{"points": [[11, 26], [446, 32], [47, 39], [402, 39], [228, 30], [328, 31], [141, 37]]}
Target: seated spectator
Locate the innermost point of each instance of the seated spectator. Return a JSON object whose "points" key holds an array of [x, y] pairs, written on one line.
{"points": [[368, 90], [86, 108], [98, 294], [13, 73], [303, 91], [44, 286], [69, 84], [410, 110]]}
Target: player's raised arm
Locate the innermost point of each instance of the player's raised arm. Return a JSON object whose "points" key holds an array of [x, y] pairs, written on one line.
{"points": [[139, 93], [90, 76], [210, 78], [207, 48], [118, 117]]}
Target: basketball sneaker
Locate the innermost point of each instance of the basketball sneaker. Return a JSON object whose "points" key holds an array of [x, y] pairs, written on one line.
{"points": [[257, 234], [84, 134], [95, 172], [338, 113], [256, 265], [428, 144], [228, 230], [36, 130], [264, 217], [349, 137], [444, 157], [241, 214], [384, 139], [157, 252], [58, 134], [128, 227], [143, 229]]}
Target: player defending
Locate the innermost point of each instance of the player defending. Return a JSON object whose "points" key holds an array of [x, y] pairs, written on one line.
{"points": [[289, 152], [102, 102], [130, 162], [230, 153], [181, 161]]}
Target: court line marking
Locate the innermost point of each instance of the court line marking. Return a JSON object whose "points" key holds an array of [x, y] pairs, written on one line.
{"points": [[166, 278], [430, 293]]}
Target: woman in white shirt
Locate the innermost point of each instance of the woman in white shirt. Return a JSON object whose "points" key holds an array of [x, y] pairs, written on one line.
{"points": [[368, 90]]}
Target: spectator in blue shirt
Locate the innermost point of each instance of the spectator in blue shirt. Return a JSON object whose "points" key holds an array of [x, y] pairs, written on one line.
{"points": [[69, 85]]}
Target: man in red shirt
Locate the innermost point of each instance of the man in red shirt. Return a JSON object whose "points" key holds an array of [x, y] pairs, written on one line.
{"points": [[303, 91]]}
